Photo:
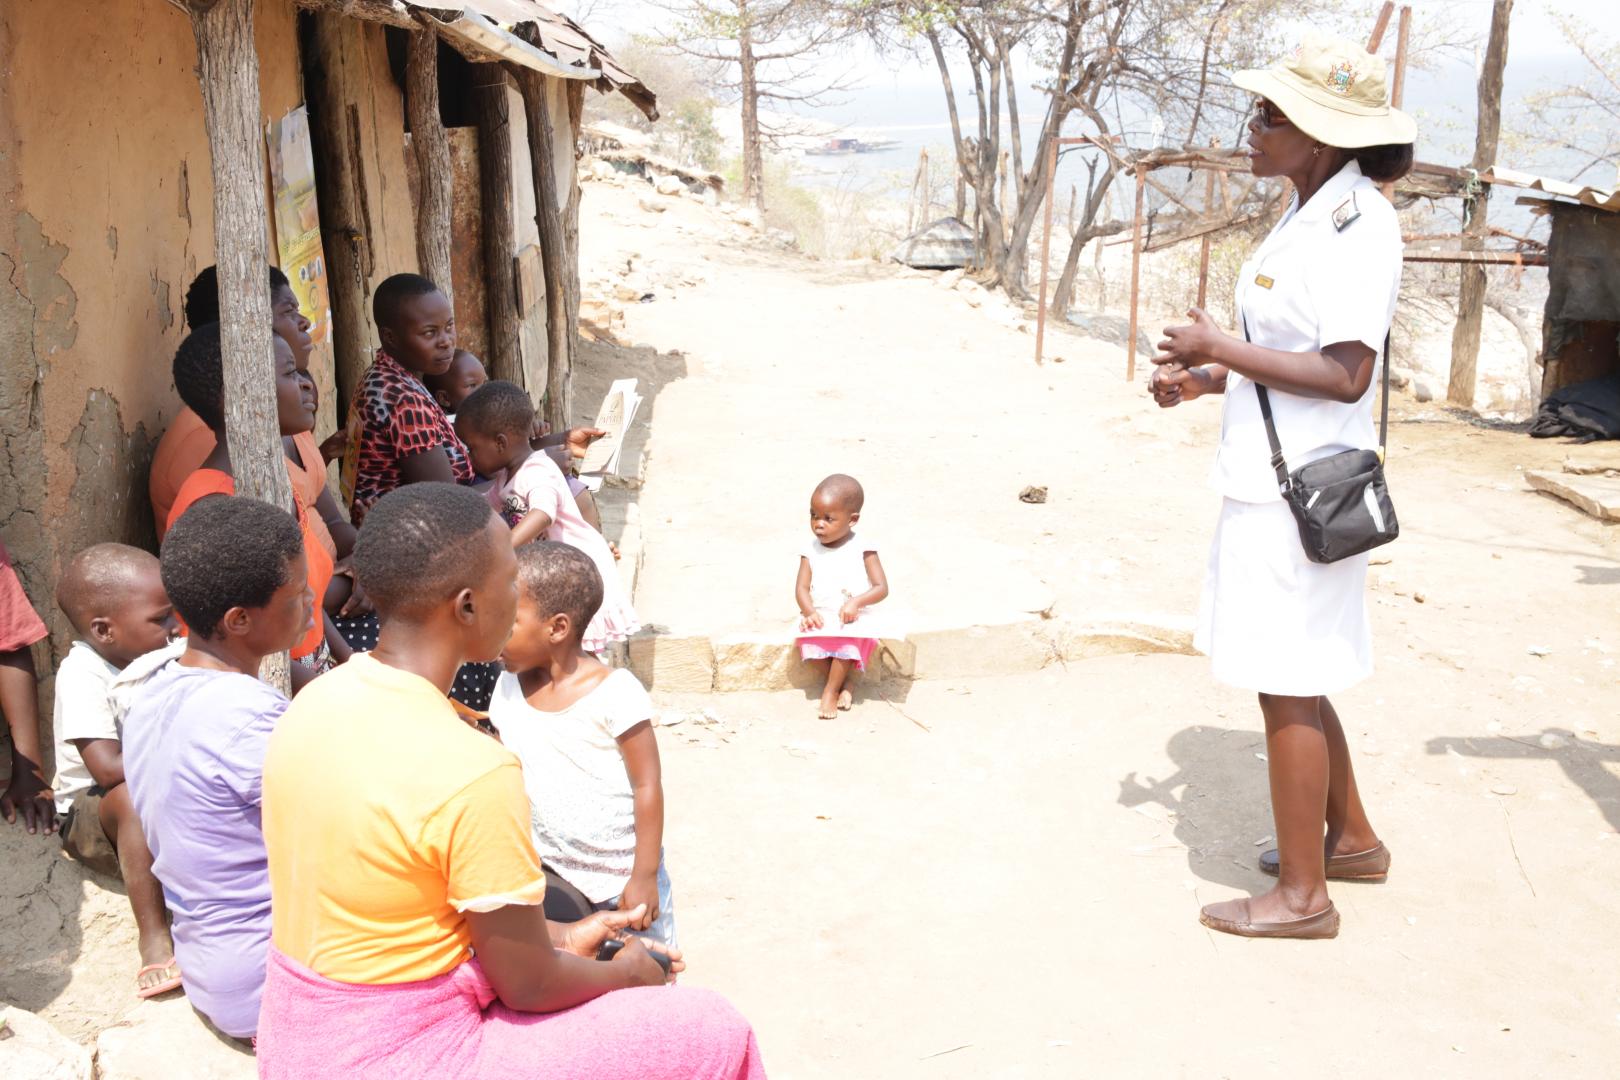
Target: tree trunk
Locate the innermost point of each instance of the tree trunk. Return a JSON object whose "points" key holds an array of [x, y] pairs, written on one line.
{"points": [[1471, 298], [228, 70], [432, 149], [553, 247], [505, 357], [753, 177], [1089, 230], [337, 184]]}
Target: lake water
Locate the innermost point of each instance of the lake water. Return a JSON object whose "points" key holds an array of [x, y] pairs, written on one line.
{"points": [[913, 115]]}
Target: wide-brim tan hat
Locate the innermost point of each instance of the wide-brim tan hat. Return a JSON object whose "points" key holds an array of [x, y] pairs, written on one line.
{"points": [[1334, 91]]}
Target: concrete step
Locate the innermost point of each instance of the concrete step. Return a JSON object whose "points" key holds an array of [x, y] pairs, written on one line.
{"points": [[677, 662]]}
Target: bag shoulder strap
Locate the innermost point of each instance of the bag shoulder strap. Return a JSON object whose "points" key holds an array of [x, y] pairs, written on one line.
{"points": [[1277, 461], [1383, 407]]}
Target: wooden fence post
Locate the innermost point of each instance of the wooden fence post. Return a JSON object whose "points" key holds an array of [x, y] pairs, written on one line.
{"points": [[228, 71], [431, 147], [1136, 275], [505, 357], [1471, 295]]}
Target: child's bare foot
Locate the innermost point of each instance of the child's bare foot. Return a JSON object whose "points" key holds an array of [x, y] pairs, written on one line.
{"points": [[846, 701], [828, 709]]}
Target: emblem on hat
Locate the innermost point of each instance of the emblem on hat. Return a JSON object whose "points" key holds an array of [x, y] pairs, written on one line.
{"points": [[1341, 77]]}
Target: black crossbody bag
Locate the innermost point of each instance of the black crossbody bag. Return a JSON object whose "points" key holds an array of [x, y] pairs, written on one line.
{"points": [[1340, 503]]}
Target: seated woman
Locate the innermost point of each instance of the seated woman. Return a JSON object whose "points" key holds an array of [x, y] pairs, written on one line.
{"points": [[199, 376], [194, 736], [399, 847], [188, 440]]}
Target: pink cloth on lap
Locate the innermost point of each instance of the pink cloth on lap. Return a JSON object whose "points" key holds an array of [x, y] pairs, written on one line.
{"points": [[311, 1026], [858, 649]]}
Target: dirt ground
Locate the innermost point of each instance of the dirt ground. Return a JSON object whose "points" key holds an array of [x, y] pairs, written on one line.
{"points": [[1001, 877]]}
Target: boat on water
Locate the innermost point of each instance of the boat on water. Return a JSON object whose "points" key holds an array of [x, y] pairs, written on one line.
{"points": [[836, 146]]}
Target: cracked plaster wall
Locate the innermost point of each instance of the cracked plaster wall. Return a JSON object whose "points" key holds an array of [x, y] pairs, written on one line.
{"points": [[105, 216]]}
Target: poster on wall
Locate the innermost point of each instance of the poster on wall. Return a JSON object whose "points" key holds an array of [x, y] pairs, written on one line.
{"points": [[298, 223]]}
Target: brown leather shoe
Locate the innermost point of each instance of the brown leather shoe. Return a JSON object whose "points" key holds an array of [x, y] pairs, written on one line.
{"points": [[1232, 917], [1371, 866]]}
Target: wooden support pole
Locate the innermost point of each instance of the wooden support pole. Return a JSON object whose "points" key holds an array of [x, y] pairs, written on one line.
{"points": [[1046, 251], [228, 71], [338, 180], [1471, 295], [553, 246], [1380, 26], [503, 324], [431, 147], [1204, 244], [1136, 280], [576, 123], [1397, 89]]}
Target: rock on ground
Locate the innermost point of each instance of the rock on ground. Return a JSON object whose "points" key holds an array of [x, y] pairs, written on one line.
{"points": [[31, 1049], [157, 1035], [67, 938]]}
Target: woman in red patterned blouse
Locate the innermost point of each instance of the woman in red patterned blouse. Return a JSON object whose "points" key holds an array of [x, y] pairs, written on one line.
{"points": [[398, 434]]}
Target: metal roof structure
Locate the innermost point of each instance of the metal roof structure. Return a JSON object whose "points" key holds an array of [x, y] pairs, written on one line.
{"points": [[523, 32], [1586, 195]]}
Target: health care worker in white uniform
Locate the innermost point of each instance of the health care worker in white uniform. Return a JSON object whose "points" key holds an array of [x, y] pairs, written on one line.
{"points": [[1317, 298]]}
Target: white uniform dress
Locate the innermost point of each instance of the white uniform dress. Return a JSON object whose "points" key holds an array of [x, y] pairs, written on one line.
{"points": [[1270, 619]]}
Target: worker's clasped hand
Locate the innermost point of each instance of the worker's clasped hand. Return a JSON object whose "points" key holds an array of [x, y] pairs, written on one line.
{"points": [[1190, 345], [1177, 376], [1170, 386]]}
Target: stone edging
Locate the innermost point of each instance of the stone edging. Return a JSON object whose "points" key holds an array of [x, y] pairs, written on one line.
{"points": [[675, 662]]}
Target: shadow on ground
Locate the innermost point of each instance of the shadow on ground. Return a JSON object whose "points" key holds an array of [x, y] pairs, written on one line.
{"points": [[1584, 761], [1218, 800]]}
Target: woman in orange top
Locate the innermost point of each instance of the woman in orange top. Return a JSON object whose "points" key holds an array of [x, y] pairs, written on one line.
{"points": [[200, 378], [189, 441], [408, 934]]}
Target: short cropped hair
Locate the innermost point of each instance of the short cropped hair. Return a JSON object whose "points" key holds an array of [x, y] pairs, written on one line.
{"points": [[393, 293], [561, 579], [845, 489], [199, 375], [497, 408], [420, 545], [98, 579], [227, 551], [202, 298]]}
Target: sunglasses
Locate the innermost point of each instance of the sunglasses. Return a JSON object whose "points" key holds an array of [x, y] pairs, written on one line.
{"points": [[1268, 114]]}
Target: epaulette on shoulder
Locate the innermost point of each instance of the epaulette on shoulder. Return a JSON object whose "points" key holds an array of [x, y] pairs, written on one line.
{"points": [[1346, 213]]}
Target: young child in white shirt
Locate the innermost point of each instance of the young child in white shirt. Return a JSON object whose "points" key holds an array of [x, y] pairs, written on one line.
{"points": [[840, 577], [114, 597], [530, 493], [584, 734]]}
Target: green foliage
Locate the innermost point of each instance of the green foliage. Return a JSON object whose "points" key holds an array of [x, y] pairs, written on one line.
{"points": [[698, 142]]}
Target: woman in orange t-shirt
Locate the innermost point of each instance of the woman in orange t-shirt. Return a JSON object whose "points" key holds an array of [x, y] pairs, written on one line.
{"points": [[188, 440], [199, 377]]}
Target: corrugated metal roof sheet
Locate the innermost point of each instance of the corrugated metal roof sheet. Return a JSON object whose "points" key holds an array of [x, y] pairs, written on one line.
{"points": [[550, 31], [1586, 195]]}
